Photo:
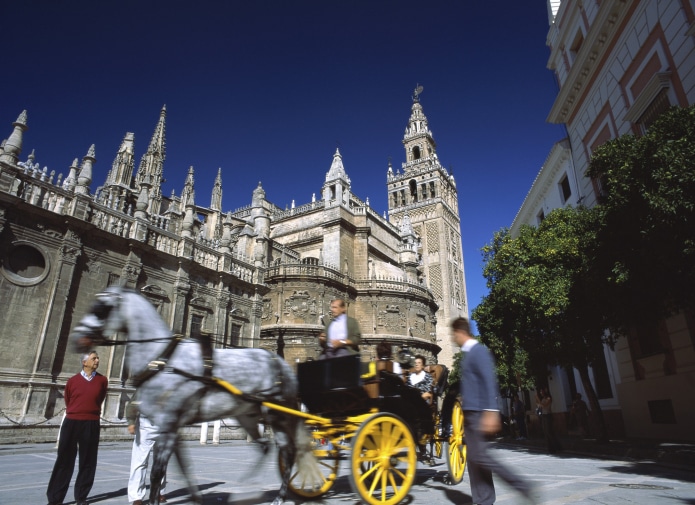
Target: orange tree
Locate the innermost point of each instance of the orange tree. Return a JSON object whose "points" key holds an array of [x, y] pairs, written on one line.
{"points": [[540, 309], [646, 241]]}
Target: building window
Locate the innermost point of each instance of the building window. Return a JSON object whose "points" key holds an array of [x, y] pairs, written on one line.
{"points": [[661, 412], [540, 217], [113, 280], [656, 108], [196, 325], [565, 190], [651, 102], [235, 335], [432, 194], [602, 380], [416, 153], [648, 340], [24, 264]]}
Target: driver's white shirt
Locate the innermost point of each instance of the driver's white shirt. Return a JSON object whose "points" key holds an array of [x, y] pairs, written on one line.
{"points": [[337, 330]]}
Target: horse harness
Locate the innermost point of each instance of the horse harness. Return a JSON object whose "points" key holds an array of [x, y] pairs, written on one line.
{"points": [[102, 309]]}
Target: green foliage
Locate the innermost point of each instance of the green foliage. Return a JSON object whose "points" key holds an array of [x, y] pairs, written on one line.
{"points": [[555, 289], [646, 243], [455, 372], [536, 313]]}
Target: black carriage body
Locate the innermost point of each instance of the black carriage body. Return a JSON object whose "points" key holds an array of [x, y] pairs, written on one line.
{"points": [[334, 388]]}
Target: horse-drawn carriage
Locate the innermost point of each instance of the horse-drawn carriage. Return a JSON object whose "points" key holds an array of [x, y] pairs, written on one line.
{"points": [[374, 416], [383, 424]]}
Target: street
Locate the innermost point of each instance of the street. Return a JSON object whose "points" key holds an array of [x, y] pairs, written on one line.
{"points": [[233, 472]]}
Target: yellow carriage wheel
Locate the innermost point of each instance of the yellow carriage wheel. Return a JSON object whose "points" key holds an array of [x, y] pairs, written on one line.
{"points": [[314, 481], [438, 435], [456, 447], [383, 460]]}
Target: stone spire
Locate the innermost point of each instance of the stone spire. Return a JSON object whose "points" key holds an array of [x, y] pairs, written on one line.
{"points": [[337, 186], [85, 177], [152, 163], [71, 180], [122, 167], [143, 200], [418, 140], [12, 147], [261, 225], [188, 189], [337, 171], [188, 203], [216, 200]]}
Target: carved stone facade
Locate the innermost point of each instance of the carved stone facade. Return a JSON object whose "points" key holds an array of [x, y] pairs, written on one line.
{"points": [[259, 276]]}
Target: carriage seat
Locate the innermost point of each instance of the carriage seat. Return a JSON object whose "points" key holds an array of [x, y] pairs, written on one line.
{"points": [[372, 377]]}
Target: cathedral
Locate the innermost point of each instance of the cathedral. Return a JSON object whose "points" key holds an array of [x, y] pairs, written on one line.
{"points": [[259, 276]]}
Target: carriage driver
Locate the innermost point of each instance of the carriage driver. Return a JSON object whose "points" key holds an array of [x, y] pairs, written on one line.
{"points": [[342, 336]]}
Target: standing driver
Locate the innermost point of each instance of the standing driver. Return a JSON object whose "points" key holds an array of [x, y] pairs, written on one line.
{"points": [[342, 336]]}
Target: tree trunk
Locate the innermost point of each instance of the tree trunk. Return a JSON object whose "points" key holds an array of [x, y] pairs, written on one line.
{"points": [[599, 421]]}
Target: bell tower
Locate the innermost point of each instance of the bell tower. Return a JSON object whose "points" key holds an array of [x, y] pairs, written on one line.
{"points": [[424, 192]]}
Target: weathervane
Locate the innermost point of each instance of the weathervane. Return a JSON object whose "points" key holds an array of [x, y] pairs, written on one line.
{"points": [[416, 93]]}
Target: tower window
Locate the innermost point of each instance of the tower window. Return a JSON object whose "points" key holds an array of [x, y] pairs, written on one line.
{"points": [[432, 192], [540, 217], [413, 191], [416, 153]]}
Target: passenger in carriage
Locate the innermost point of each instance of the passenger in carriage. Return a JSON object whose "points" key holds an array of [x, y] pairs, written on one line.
{"points": [[421, 379], [385, 359], [342, 336]]}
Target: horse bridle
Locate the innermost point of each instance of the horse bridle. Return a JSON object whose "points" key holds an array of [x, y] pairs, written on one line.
{"points": [[101, 310]]}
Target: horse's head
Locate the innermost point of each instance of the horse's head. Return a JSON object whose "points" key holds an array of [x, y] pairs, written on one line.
{"points": [[99, 322]]}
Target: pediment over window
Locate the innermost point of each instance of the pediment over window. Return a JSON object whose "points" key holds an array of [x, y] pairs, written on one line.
{"points": [[153, 291], [201, 302]]}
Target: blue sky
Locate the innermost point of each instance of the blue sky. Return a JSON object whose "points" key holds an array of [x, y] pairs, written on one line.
{"points": [[267, 90]]}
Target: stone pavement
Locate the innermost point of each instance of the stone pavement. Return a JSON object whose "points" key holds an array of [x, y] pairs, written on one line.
{"points": [[234, 472], [669, 453]]}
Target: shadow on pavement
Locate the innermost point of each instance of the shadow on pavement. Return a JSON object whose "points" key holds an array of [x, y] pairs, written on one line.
{"points": [[652, 469], [105, 496]]}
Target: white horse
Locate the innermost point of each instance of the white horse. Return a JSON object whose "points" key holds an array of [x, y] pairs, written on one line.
{"points": [[173, 393]]}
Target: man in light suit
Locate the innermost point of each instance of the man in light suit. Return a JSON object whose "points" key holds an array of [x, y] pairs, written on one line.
{"points": [[342, 336], [479, 392]]}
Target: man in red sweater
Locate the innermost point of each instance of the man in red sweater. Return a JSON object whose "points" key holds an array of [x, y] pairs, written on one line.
{"points": [[84, 394]]}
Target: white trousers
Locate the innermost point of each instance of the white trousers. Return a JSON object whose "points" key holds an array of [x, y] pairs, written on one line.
{"points": [[145, 438], [215, 432]]}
